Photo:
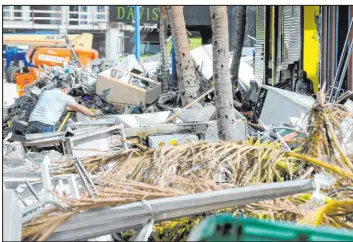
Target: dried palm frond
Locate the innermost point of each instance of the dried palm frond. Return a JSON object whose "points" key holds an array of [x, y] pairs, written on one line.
{"points": [[41, 227], [111, 194], [131, 175], [324, 138], [175, 230], [280, 209], [92, 163], [285, 209], [114, 192], [241, 164], [334, 213]]}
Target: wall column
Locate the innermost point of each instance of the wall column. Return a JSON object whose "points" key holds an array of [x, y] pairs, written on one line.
{"points": [[26, 15], [114, 41], [64, 19]]}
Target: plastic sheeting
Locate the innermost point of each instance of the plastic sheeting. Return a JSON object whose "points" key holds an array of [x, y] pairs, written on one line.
{"points": [[203, 57]]}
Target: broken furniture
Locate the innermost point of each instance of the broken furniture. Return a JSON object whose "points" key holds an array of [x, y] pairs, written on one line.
{"points": [[30, 197], [97, 140], [14, 177], [201, 122], [126, 92], [85, 142]]}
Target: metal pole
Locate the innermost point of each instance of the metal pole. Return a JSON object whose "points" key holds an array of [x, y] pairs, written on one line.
{"points": [[173, 65], [83, 169], [343, 71], [341, 59], [99, 222], [83, 179], [99, 122], [137, 32], [123, 135], [31, 137], [47, 185]]}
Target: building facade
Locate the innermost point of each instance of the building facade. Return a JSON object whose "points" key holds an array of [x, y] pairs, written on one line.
{"points": [[112, 26], [294, 38], [58, 20]]}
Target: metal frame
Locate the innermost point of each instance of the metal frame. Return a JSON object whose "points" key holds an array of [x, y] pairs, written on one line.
{"points": [[198, 127], [350, 67], [322, 59], [66, 141], [333, 95], [328, 60], [259, 105], [336, 37]]}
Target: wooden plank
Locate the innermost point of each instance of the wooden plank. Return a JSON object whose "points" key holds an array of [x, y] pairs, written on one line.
{"points": [[121, 92]]}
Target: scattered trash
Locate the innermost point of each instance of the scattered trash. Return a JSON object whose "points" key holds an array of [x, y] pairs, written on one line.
{"points": [[130, 64], [37, 158], [147, 142], [13, 155], [170, 140], [96, 101], [349, 105], [346, 135]]}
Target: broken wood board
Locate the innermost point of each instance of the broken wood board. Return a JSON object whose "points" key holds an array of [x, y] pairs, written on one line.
{"points": [[125, 93]]}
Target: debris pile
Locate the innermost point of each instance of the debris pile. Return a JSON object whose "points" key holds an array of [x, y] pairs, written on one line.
{"points": [[14, 153], [292, 165], [83, 91], [170, 170]]}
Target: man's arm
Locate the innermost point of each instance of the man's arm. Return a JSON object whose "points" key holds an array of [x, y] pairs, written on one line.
{"points": [[82, 109]]}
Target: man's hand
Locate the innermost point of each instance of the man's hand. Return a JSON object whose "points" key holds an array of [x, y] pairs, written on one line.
{"points": [[98, 112], [82, 109]]}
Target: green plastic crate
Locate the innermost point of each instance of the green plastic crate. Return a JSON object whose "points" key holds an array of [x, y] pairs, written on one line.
{"points": [[225, 227]]}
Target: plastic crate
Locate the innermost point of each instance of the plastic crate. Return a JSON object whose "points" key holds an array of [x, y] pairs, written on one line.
{"points": [[225, 227]]}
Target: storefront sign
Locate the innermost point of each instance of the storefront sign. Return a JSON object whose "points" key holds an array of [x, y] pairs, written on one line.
{"points": [[126, 14], [194, 15]]}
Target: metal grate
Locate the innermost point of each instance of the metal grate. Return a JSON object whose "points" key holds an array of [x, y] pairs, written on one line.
{"points": [[292, 35], [279, 44], [259, 51]]}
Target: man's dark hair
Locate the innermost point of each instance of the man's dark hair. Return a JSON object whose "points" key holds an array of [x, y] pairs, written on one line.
{"points": [[303, 74], [64, 84]]}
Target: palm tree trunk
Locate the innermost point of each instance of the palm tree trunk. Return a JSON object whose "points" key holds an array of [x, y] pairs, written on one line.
{"points": [[163, 41], [240, 23], [221, 74], [188, 85]]}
